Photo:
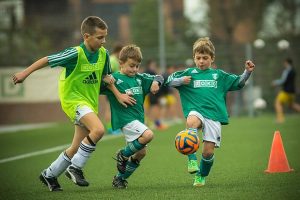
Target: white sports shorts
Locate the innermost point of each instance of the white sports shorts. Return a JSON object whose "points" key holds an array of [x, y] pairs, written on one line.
{"points": [[80, 112], [211, 130], [134, 130]]}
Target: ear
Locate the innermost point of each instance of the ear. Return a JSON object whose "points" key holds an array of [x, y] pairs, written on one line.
{"points": [[86, 36]]}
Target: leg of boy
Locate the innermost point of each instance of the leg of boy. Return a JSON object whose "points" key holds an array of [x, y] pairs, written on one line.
{"points": [[138, 144], [139, 135], [119, 181], [86, 148], [207, 158], [133, 163], [279, 109], [193, 123], [206, 163], [49, 175], [134, 156]]}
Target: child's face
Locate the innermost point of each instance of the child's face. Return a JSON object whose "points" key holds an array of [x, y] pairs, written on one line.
{"points": [[203, 60], [95, 41], [130, 67]]}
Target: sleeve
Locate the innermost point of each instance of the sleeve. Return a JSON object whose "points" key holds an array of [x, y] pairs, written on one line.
{"points": [[176, 79], [103, 88], [230, 81], [282, 79], [107, 65], [147, 80], [106, 70], [63, 58], [244, 77]]}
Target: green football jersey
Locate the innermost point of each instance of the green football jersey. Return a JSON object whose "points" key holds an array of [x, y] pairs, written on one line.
{"points": [[206, 93], [139, 87]]}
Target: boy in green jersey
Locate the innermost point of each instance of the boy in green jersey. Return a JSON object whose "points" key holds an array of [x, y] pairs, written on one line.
{"points": [[131, 119], [203, 91], [79, 87]]}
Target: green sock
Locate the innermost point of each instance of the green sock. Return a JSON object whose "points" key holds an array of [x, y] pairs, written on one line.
{"points": [[132, 148], [194, 130], [205, 165], [192, 156], [131, 166]]}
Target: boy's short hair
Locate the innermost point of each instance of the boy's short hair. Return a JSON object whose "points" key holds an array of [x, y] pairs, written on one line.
{"points": [[131, 51], [90, 24], [204, 45]]}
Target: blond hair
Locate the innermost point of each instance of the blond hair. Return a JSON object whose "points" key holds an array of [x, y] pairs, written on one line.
{"points": [[204, 45], [130, 51]]}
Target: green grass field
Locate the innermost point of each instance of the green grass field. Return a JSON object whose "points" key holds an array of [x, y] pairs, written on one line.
{"points": [[238, 171]]}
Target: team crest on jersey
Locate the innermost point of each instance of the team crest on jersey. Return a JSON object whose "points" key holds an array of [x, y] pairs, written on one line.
{"points": [[215, 76], [134, 90], [139, 81]]}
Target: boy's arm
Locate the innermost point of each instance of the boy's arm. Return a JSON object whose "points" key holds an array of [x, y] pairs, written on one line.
{"points": [[249, 68], [178, 78], [21, 76], [157, 82], [123, 99], [282, 79], [185, 80]]}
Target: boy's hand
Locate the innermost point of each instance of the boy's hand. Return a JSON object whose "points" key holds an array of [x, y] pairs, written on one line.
{"points": [[126, 99], [154, 87], [19, 77], [187, 80], [109, 79], [249, 66]]}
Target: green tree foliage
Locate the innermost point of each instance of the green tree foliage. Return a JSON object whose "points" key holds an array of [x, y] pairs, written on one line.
{"points": [[144, 23]]}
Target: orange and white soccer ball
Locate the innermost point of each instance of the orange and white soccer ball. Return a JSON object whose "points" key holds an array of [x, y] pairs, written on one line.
{"points": [[187, 142]]}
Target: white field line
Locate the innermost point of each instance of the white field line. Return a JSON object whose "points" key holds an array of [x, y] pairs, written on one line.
{"points": [[50, 150], [4, 129]]}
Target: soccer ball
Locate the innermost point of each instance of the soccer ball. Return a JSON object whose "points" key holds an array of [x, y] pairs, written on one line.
{"points": [[187, 142]]}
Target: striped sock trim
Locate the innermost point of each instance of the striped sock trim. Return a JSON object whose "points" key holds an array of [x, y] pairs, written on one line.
{"points": [[194, 130], [87, 148], [209, 159], [66, 157], [90, 141]]}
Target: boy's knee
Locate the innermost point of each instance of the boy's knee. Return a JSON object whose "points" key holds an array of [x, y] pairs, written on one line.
{"points": [[207, 154], [97, 133], [148, 135], [193, 122]]}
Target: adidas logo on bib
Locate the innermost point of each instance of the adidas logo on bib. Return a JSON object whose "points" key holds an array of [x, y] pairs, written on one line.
{"points": [[91, 79]]}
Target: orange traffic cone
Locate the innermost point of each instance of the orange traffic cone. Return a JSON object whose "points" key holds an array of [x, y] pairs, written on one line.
{"points": [[278, 161]]}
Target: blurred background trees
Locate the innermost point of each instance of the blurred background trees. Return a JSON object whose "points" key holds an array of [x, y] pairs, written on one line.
{"points": [[30, 29]]}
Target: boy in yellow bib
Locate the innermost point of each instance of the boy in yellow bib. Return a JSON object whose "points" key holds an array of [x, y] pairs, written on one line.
{"points": [[85, 66]]}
